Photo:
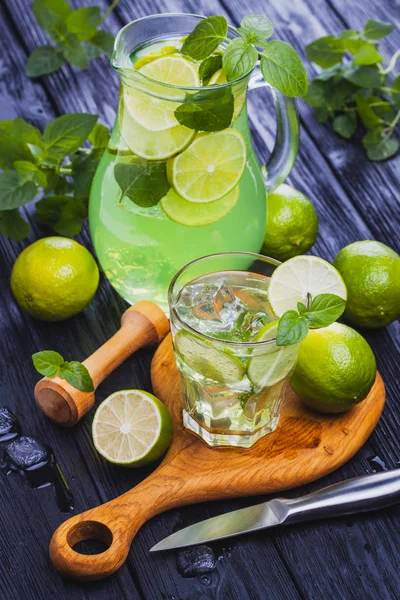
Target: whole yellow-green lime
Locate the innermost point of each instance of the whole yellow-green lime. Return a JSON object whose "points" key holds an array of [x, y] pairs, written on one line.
{"points": [[335, 370], [371, 272], [292, 223], [54, 278]]}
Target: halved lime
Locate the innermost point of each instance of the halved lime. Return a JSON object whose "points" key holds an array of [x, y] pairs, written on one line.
{"points": [[131, 428], [211, 166], [154, 145], [293, 280], [195, 213], [157, 114], [151, 56], [207, 360], [275, 362]]}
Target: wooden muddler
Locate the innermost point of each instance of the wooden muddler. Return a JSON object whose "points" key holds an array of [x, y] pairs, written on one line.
{"points": [[143, 324]]}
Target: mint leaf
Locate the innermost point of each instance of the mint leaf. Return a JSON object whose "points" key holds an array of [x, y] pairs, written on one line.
{"points": [[282, 68], [315, 95], [302, 308], [326, 51], [77, 375], [51, 16], [99, 136], [213, 114], [209, 66], [77, 55], [104, 41], [143, 182], [345, 125], [363, 76], [43, 60], [367, 115], [367, 55], [348, 33], [379, 148], [205, 38], [65, 135], [321, 115], [14, 191], [239, 58], [47, 362], [375, 30], [325, 309], [84, 22], [30, 171], [395, 91], [48, 210], [83, 169], [15, 137], [291, 329], [259, 26], [13, 225]]}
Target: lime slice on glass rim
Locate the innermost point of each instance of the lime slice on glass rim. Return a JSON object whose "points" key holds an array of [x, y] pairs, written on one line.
{"points": [[154, 145], [275, 363], [151, 112], [210, 167], [294, 279], [195, 214], [207, 360], [131, 428]]}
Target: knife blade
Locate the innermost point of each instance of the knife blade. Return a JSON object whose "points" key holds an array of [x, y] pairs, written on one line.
{"points": [[360, 494]]}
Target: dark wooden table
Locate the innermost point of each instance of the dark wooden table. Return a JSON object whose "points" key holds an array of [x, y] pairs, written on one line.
{"points": [[348, 558]]}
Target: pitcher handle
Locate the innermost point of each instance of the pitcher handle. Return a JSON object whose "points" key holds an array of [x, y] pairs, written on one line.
{"points": [[283, 156]]}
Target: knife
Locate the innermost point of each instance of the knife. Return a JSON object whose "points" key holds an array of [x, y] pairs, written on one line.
{"points": [[357, 495]]}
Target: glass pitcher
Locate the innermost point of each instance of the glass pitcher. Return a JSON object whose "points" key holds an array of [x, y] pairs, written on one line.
{"points": [[171, 188]]}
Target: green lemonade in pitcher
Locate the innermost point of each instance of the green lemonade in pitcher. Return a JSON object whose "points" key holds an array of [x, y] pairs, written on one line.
{"points": [[180, 178]]}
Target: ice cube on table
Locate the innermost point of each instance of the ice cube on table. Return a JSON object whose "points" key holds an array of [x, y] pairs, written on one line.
{"points": [[25, 452]]}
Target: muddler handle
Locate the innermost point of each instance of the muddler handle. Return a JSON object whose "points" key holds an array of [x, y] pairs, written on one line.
{"points": [[143, 324]]}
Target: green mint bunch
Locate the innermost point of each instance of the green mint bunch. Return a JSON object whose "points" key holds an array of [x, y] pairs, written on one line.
{"points": [[53, 164], [356, 90], [75, 33], [280, 64], [321, 311], [51, 364]]}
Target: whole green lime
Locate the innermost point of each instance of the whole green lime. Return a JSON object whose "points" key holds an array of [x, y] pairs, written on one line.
{"points": [[371, 272], [54, 278], [335, 370], [292, 223]]}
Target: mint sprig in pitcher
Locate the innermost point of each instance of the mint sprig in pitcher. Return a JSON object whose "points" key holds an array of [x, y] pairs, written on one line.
{"points": [[180, 178]]}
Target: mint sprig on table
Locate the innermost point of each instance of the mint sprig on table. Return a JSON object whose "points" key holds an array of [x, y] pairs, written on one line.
{"points": [[323, 310], [357, 90], [54, 164], [51, 364], [76, 35], [280, 65]]}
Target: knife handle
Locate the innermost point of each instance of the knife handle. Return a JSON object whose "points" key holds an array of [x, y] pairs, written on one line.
{"points": [[360, 494]]}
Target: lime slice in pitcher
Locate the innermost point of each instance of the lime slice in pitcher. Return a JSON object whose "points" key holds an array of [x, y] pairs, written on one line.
{"points": [[275, 362], [157, 114], [239, 97], [207, 361], [210, 167], [198, 213], [154, 145]]}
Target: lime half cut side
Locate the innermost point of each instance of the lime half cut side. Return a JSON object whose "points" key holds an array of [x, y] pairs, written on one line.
{"points": [[210, 168], [267, 369], [154, 145], [194, 214], [294, 279], [208, 361], [131, 428]]}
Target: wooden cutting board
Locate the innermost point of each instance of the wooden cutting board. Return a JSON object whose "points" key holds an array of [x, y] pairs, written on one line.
{"points": [[305, 446]]}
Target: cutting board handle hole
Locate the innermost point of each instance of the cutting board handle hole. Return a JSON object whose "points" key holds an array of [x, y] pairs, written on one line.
{"points": [[90, 537]]}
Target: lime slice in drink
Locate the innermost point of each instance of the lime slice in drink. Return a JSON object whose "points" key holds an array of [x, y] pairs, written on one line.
{"points": [[198, 213], [275, 362], [294, 279], [131, 428], [151, 56], [208, 361], [218, 78], [239, 96], [157, 114], [154, 145], [210, 167]]}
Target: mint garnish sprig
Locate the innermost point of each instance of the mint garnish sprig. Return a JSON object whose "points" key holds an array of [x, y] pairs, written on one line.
{"points": [[76, 35], [356, 90], [280, 64], [321, 311], [54, 164], [51, 364]]}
